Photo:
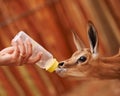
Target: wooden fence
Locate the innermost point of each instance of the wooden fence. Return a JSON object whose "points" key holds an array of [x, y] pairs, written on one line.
{"points": [[50, 22]]}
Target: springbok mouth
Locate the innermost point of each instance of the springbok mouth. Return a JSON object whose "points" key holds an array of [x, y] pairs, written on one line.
{"points": [[60, 70]]}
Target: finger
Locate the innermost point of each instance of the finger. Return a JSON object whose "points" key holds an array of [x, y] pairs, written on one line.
{"points": [[21, 47], [28, 50], [22, 52], [35, 59], [16, 55], [16, 50], [13, 42], [8, 50]]}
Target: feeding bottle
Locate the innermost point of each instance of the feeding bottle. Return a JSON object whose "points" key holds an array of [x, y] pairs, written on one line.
{"points": [[47, 61]]}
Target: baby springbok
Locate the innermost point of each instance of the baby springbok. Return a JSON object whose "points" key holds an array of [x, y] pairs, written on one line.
{"points": [[86, 62]]}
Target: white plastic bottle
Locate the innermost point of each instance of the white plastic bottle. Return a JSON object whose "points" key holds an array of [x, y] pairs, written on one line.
{"points": [[47, 61]]}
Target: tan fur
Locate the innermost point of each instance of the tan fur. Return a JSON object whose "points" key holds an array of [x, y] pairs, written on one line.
{"points": [[94, 66]]}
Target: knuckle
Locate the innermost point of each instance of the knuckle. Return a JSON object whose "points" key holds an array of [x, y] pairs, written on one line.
{"points": [[13, 58], [30, 53]]}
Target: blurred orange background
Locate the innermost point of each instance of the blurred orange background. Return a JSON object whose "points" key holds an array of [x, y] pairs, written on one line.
{"points": [[50, 22]]}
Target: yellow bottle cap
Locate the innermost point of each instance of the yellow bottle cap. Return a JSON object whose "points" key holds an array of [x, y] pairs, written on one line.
{"points": [[52, 66]]}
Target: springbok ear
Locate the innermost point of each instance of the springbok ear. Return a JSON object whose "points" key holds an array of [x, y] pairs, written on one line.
{"points": [[93, 39], [78, 43]]}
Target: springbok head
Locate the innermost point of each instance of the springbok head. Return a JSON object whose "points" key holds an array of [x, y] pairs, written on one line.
{"points": [[86, 62]]}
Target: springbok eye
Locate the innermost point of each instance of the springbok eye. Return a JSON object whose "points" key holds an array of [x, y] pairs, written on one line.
{"points": [[82, 59]]}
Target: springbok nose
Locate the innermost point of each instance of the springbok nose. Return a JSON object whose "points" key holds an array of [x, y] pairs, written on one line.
{"points": [[61, 64]]}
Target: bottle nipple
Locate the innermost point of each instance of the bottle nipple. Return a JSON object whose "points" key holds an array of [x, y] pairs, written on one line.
{"points": [[52, 65]]}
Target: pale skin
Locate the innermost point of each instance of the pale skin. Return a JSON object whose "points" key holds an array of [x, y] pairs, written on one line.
{"points": [[18, 54]]}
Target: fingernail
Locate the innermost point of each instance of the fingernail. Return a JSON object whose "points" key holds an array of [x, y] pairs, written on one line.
{"points": [[13, 43], [41, 53]]}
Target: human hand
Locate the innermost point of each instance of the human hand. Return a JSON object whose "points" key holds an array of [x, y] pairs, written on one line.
{"points": [[19, 53]]}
